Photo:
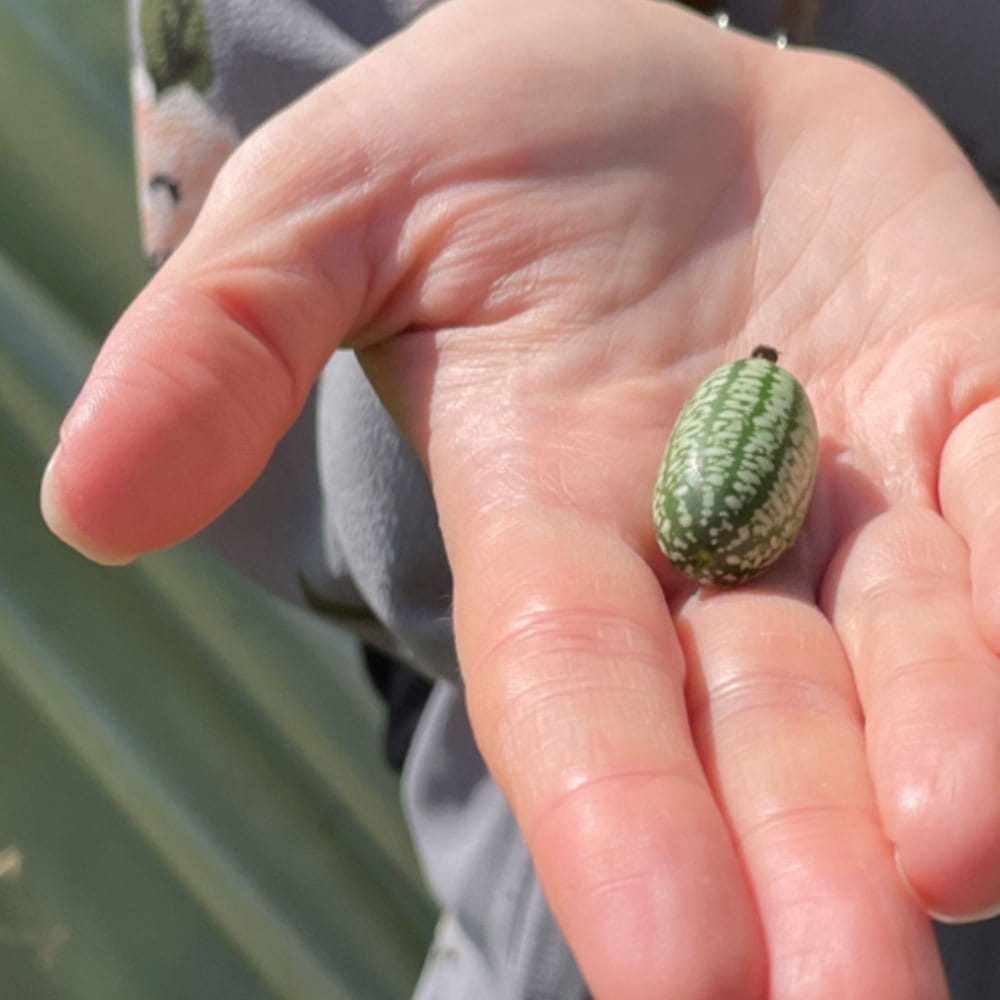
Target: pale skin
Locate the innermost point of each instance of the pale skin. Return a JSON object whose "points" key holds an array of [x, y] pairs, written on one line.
{"points": [[539, 241]]}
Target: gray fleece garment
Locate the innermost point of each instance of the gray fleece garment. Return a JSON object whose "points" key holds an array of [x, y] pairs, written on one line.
{"points": [[343, 520]]}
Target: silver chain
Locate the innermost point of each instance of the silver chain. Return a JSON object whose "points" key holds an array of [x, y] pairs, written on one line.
{"points": [[779, 37]]}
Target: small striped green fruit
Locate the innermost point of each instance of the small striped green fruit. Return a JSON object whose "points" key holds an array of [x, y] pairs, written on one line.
{"points": [[738, 472]]}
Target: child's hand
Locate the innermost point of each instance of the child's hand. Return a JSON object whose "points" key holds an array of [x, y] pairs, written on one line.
{"points": [[541, 224]]}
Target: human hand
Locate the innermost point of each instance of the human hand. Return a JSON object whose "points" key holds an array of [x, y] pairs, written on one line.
{"points": [[540, 225]]}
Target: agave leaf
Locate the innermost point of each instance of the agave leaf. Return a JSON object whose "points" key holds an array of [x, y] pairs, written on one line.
{"points": [[192, 799]]}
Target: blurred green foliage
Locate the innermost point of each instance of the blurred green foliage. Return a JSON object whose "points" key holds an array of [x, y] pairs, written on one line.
{"points": [[192, 800]]}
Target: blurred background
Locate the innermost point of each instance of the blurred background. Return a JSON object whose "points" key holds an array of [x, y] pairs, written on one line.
{"points": [[192, 797]]}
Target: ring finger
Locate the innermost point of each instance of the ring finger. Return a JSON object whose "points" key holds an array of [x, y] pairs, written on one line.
{"points": [[778, 726]]}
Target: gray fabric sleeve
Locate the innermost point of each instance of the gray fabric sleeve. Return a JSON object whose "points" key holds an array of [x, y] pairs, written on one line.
{"points": [[497, 939]]}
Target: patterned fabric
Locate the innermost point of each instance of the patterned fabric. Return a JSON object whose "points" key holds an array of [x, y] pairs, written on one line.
{"points": [[182, 138], [207, 72]]}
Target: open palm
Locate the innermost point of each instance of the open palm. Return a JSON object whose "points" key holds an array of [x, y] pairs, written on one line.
{"points": [[540, 226]]}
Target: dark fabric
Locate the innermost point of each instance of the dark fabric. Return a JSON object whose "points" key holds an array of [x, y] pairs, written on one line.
{"points": [[971, 956], [405, 692]]}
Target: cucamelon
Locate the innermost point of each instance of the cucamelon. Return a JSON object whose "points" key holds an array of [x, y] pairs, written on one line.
{"points": [[738, 471]]}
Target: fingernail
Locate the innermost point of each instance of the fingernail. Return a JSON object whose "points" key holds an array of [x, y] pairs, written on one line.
{"points": [[60, 525], [966, 918], [987, 913]]}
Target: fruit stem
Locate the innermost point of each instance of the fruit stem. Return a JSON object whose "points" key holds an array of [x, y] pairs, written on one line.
{"points": [[765, 353]]}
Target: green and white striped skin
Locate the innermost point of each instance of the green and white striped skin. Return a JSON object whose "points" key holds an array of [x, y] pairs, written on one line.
{"points": [[738, 472]]}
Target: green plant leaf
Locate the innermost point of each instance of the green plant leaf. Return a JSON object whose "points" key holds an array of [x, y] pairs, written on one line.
{"points": [[192, 796]]}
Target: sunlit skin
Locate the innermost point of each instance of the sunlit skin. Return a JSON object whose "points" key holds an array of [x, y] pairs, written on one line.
{"points": [[541, 224]]}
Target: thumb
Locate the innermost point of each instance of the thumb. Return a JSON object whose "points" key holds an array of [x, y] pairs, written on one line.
{"points": [[382, 200], [213, 361]]}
